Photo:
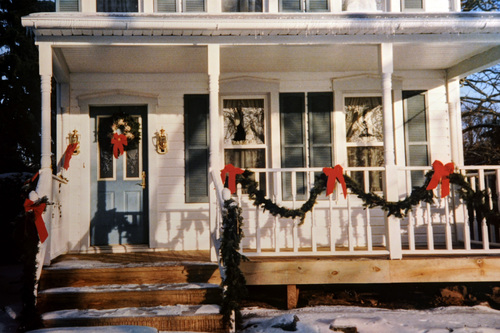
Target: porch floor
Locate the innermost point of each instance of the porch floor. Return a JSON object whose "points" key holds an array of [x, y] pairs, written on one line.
{"points": [[270, 270]]}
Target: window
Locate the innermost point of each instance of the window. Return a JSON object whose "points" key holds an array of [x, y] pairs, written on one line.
{"points": [[242, 5], [124, 6], [303, 5], [364, 136], [296, 150], [166, 6], [196, 145], [416, 138], [412, 4], [68, 6], [194, 6]]}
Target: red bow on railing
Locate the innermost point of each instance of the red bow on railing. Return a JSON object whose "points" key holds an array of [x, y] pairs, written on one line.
{"points": [[68, 154], [337, 173], [441, 175], [118, 141], [39, 223], [232, 171]]}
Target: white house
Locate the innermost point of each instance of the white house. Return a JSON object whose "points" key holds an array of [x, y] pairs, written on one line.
{"points": [[281, 87]]}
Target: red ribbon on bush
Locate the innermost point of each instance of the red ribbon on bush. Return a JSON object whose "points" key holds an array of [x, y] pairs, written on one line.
{"points": [[118, 141], [337, 173], [39, 223], [232, 171], [68, 154], [441, 175]]}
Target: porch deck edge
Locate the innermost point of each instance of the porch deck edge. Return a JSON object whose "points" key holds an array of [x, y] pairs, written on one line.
{"points": [[354, 271]]}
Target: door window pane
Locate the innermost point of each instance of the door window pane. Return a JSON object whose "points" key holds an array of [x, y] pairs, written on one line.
{"points": [[106, 160], [125, 6], [242, 5]]}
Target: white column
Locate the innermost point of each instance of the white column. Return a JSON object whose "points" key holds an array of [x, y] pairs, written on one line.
{"points": [[45, 60], [386, 67], [393, 230], [453, 100], [214, 121], [44, 186]]}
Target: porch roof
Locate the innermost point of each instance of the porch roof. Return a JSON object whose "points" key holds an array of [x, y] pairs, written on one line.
{"points": [[461, 43]]}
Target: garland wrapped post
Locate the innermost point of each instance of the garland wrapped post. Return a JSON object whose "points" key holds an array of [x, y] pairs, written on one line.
{"points": [[234, 283]]}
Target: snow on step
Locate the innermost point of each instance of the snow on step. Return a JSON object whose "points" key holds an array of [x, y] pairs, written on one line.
{"points": [[92, 264], [106, 329], [157, 311], [131, 287]]}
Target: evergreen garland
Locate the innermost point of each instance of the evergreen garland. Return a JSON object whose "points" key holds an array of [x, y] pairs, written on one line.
{"points": [[234, 283], [476, 201]]}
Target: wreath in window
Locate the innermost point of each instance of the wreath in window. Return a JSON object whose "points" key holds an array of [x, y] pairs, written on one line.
{"points": [[122, 132]]}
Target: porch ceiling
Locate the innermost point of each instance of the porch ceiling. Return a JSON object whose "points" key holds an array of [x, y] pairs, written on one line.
{"points": [[263, 58]]}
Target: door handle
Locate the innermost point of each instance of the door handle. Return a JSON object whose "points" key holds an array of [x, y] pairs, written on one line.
{"points": [[143, 182]]}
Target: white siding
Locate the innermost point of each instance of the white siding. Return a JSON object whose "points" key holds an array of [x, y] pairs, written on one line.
{"points": [[180, 226]]}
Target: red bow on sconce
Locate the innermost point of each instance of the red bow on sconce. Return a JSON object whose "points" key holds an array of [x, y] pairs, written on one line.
{"points": [[118, 141], [39, 223], [232, 171], [337, 173], [441, 175], [68, 154]]}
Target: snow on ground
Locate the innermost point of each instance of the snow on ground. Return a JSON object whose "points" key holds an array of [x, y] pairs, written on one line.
{"points": [[319, 319]]}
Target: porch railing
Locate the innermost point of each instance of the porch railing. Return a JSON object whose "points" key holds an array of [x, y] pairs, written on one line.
{"points": [[343, 227]]}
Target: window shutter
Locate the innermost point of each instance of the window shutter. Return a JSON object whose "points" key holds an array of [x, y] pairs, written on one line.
{"points": [[291, 5], [164, 6], [320, 106], [413, 4], [415, 116], [292, 108], [196, 144], [194, 5], [68, 6], [318, 5]]}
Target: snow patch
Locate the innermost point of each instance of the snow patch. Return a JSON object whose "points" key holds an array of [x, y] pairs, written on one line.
{"points": [[89, 264], [130, 287], [157, 311], [477, 319]]}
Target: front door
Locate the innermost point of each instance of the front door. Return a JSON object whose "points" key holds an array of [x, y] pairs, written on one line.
{"points": [[118, 176]]}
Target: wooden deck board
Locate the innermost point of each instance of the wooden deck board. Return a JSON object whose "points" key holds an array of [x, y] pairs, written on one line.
{"points": [[292, 270]]}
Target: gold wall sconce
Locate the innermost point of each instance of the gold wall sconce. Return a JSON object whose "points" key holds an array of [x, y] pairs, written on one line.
{"points": [[161, 142], [74, 137]]}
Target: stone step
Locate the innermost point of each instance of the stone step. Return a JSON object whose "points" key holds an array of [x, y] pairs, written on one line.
{"points": [[128, 295], [190, 318], [54, 277]]}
